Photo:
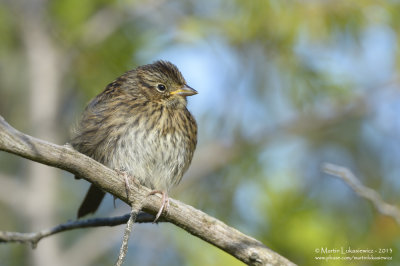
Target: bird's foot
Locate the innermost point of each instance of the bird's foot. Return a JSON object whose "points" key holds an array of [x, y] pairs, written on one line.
{"points": [[126, 177], [164, 204]]}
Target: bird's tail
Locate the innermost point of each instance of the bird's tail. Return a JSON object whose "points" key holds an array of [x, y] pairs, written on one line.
{"points": [[92, 201]]}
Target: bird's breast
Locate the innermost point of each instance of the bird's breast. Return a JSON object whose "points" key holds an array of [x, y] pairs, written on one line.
{"points": [[157, 150]]}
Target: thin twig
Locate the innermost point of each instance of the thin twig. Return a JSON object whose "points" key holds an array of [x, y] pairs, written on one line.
{"points": [[35, 237], [128, 229], [363, 191], [136, 206]]}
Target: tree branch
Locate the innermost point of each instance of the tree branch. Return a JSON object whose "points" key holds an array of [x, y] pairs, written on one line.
{"points": [[34, 238], [365, 192], [197, 223], [135, 209]]}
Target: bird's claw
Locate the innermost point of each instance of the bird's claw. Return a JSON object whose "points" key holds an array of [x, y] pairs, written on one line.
{"points": [[164, 204], [128, 186]]}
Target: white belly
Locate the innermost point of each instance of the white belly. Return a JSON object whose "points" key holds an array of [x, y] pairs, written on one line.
{"points": [[157, 161]]}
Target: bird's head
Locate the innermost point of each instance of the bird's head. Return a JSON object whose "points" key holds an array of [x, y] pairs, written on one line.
{"points": [[163, 83]]}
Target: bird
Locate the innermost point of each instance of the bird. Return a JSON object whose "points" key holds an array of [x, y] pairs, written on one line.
{"points": [[139, 125]]}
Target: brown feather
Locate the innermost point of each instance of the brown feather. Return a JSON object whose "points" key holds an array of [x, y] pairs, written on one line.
{"points": [[136, 127]]}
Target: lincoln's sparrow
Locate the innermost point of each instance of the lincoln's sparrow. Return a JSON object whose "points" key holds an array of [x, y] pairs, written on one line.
{"points": [[140, 125]]}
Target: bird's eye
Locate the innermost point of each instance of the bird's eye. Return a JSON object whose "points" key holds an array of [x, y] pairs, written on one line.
{"points": [[161, 87]]}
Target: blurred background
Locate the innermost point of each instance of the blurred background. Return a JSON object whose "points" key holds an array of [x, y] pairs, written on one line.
{"points": [[284, 86]]}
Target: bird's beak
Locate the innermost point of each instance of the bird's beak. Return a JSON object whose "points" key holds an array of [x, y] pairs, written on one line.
{"points": [[184, 91]]}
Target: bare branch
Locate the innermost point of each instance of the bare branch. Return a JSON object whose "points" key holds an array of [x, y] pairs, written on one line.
{"points": [[34, 238], [135, 208], [197, 223], [368, 193]]}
